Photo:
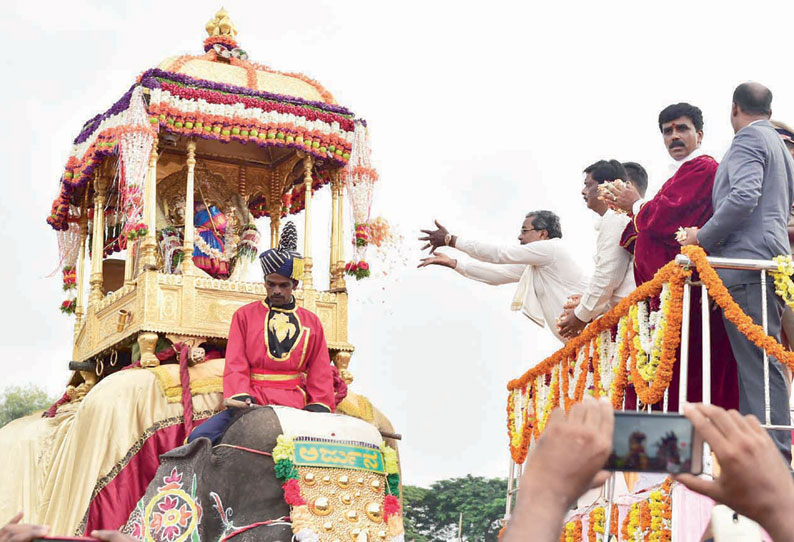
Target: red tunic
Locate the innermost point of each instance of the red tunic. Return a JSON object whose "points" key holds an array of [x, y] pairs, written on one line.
{"points": [[683, 201], [302, 376]]}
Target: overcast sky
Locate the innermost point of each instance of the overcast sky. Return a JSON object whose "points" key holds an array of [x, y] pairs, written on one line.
{"points": [[478, 113]]}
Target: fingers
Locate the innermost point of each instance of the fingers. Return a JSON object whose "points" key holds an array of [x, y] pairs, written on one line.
{"points": [[433, 250], [702, 423], [709, 488], [17, 518], [606, 417], [578, 413], [723, 420], [439, 226], [426, 246], [600, 479]]}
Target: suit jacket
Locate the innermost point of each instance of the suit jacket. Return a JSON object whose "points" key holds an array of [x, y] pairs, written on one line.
{"points": [[752, 197]]}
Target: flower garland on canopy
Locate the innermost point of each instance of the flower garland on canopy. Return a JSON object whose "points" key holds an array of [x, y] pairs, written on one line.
{"points": [[360, 177], [69, 250], [193, 107], [135, 146]]}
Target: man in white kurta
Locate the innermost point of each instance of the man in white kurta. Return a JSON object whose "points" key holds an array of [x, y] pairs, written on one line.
{"points": [[613, 278], [544, 270]]}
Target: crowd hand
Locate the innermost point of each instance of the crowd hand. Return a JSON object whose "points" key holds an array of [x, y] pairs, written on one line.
{"points": [[622, 196], [20, 532], [687, 236], [754, 479], [112, 536], [567, 461], [438, 259], [569, 324], [434, 238]]}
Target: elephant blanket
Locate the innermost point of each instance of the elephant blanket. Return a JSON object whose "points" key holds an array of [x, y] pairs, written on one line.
{"points": [[277, 472]]}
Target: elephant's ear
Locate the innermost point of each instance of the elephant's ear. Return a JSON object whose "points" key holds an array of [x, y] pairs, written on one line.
{"points": [[198, 446]]}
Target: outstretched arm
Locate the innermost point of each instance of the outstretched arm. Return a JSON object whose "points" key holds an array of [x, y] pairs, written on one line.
{"points": [[489, 274]]}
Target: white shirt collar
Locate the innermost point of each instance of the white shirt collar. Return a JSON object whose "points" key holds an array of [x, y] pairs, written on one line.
{"points": [[598, 220], [675, 164]]}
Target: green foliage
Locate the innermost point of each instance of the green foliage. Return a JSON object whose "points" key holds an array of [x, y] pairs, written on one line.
{"points": [[432, 515], [18, 401]]}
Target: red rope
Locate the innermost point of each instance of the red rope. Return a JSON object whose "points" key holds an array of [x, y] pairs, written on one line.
{"points": [[50, 412], [283, 519], [243, 448], [184, 380]]}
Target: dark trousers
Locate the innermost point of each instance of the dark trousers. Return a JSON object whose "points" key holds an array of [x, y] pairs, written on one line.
{"points": [[214, 427], [750, 362]]}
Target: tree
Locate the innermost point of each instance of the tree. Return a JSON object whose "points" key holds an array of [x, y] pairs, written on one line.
{"points": [[432, 515], [18, 401]]}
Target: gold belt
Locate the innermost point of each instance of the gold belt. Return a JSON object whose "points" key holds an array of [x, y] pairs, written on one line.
{"points": [[274, 377]]}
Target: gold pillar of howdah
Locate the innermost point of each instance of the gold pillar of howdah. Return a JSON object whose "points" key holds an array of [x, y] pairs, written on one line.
{"points": [[149, 246], [332, 260], [308, 281], [98, 240], [187, 249], [274, 206], [79, 309], [340, 232]]}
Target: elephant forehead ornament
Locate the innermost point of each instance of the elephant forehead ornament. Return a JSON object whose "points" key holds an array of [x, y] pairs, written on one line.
{"points": [[339, 490]]}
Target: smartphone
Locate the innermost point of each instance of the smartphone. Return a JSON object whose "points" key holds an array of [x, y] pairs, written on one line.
{"points": [[655, 442]]}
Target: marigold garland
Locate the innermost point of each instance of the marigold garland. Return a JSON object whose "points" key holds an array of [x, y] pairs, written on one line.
{"points": [[649, 393], [572, 531], [784, 286], [732, 311], [596, 528]]}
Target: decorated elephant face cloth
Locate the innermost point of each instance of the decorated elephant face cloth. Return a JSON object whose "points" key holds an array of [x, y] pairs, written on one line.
{"points": [[340, 487]]}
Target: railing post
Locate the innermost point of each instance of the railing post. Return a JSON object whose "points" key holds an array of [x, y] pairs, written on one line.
{"points": [[683, 377], [764, 323], [705, 331]]}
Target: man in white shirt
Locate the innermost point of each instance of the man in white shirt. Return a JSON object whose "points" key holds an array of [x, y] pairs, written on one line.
{"points": [[613, 278], [546, 274]]}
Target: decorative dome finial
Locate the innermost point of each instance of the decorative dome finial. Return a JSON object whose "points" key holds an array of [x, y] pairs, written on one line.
{"points": [[222, 37], [221, 25]]}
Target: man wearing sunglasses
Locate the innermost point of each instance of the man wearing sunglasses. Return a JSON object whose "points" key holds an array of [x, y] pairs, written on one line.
{"points": [[544, 270]]}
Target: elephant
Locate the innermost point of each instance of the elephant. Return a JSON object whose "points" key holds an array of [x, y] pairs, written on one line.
{"points": [[206, 493]]}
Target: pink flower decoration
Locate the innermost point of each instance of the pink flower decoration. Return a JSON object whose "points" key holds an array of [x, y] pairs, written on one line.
{"points": [[292, 493]]}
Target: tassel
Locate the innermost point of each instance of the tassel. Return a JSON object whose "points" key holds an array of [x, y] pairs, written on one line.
{"points": [[297, 269]]}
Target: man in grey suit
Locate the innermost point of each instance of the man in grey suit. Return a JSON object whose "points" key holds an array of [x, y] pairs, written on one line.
{"points": [[752, 197]]}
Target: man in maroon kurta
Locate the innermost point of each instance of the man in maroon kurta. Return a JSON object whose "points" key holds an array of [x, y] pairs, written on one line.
{"points": [[685, 199], [276, 354]]}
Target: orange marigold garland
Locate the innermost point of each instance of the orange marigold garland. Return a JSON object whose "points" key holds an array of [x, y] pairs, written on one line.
{"points": [[596, 528], [671, 273], [572, 531], [733, 311]]}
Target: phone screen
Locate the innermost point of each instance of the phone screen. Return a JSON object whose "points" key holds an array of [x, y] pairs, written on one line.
{"points": [[650, 442]]}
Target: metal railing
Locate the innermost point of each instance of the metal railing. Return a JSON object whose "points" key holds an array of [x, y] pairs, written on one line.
{"points": [[764, 267]]}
